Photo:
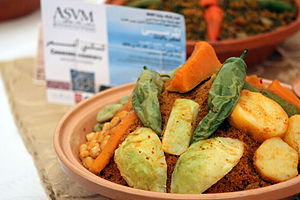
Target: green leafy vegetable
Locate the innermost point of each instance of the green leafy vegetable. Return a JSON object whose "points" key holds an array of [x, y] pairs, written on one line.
{"points": [[223, 95], [145, 99]]}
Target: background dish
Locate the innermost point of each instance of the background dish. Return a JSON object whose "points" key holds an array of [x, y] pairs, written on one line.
{"points": [[261, 46], [71, 132]]}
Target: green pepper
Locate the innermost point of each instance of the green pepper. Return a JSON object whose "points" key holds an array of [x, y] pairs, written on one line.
{"points": [[275, 5], [145, 99], [223, 96], [144, 3], [289, 108]]}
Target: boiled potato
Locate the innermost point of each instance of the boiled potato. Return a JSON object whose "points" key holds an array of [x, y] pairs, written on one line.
{"points": [[292, 136], [275, 160], [260, 116]]}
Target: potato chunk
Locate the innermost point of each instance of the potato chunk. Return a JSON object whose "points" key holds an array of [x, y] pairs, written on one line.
{"points": [[260, 116], [292, 136], [177, 135], [275, 160]]}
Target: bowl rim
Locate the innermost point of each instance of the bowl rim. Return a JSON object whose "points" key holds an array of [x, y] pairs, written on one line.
{"points": [[85, 174]]}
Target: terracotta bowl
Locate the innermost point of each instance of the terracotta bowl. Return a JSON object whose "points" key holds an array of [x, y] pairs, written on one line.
{"points": [[260, 46], [10, 9], [71, 132]]}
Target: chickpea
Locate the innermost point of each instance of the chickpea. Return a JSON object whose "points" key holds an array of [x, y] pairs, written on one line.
{"points": [[90, 136], [95, 151], [88, 162], [104, 141], [82, 147], [84, 154], [106, 126], [101, 136], [114, 122]]}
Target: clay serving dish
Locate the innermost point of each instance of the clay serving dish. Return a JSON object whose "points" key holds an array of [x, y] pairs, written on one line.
{"points": [[261, 46], [71, 132]]}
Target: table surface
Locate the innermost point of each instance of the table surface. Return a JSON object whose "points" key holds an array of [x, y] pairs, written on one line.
{"points": [[19, 177]]}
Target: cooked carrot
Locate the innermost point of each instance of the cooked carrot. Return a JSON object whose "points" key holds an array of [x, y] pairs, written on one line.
{"points": [[201, 64], [117, 133], [284, 93], [255, 81], [208, 2], [214, 18]]}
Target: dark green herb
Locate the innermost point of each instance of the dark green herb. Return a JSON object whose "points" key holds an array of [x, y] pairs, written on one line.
{"points": [[223, 96], [145, 99], [276, 5]]}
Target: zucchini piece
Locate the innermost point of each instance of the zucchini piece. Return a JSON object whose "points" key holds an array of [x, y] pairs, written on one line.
{"points": [[179, 129]]}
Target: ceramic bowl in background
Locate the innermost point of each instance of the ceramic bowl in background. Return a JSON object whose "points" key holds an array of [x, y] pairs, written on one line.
{"points": [[260, 46], [10, 9], [70, 134]]}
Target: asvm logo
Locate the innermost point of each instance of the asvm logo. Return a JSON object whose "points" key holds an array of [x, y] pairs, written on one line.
{"points": [[75, 19]]}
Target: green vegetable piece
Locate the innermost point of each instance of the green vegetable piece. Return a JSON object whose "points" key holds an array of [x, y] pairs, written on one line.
{"points": [[250, 87], [204, 163], [179, 129], [223, 96], [97, 127], [123, 100], [289, 108], [142, 162], [145, 99], [169, 75], [144, 3], [278, 6], [108, 112]]}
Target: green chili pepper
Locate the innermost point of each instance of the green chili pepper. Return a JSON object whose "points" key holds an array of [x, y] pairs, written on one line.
{"points": [[145, 99], [108, 112], [276, 5], [223, 96], [124, 99], [144, 3], [289, 108]]}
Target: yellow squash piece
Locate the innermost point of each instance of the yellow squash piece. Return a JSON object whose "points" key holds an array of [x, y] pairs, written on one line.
{"points": [[141, 161], [205, 163], [177, 136]]}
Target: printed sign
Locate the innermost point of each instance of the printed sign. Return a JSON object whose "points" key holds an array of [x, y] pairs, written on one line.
{"points": [[89, 46]]}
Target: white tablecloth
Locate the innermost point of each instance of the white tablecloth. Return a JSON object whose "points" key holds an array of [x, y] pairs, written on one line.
{"points": [[19, 179]]}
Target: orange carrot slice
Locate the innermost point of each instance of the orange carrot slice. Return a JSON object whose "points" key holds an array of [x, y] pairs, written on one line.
{"points": [[117, 133], [284, 93], [201, 64], [208, 2], [255, 81], [214, 18]]}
